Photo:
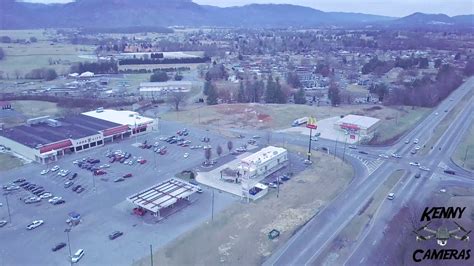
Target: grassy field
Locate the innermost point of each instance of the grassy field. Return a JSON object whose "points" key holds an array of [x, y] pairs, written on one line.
{"points": [[8, 162], [446, 122], [394, 120], [465, 150], [238, 235], [22, 58], [340, 247]]}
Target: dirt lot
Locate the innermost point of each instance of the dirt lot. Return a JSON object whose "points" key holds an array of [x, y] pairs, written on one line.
{"points": [[238, 235], [336, 253], [395, 120], [402, 245], [8, 162], [465, 150]]}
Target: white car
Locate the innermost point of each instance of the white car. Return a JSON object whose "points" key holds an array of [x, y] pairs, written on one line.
{"points": [[424, 168], [391, 196], [46, 195], [417, 147], [34, 224], [55, 168], [407, 141], [394, 155], [414, 163], [45, 171], [415, 141], [353, 147], [77, 256], [383, 156], [436, 113], [104, 166], [55, 199], [186, 155]]}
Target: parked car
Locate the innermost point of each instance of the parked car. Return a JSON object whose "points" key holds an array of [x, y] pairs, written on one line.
{"points": [[3, 223], [127, 175], [59, 202], [363, 152], [353, 147], [19, 180], [100, 172], [414, 163], [120, 179], [451, 172], [391, 196], [80, 189], [32, 200], [55, 168], [45, 171], [76, 188], [68, 184], [115, 235], [53, 200], [415, 141], [424, 168], [46, 195], [58, 246], [417, 175], [34, 224], [77, 256]]}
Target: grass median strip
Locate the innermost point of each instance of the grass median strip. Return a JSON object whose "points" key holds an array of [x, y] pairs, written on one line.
{"points": [[464, 154]]}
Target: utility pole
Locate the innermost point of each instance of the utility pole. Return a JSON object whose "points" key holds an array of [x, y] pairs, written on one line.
{"points": [[154, 159], [212, 207], [278, 186], [465, 155], [8, 208], [344, 152], [93, 182], [67, 230], [151, 254], [335, 147]]}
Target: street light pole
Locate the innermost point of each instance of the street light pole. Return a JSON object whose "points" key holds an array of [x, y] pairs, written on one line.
{"points": [[335, 147], [67, 230], [465, 155], [8, 208], [309, 144], [212, 207], [151, 254], [344, 152]]}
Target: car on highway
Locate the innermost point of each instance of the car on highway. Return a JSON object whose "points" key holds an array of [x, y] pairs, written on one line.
{"points": [[424, 168], [58, 246], [414, 163], [451, 172], [77, 256], [391, 196], [34, 224], [45, 171], [3, 223], [115, 235]]}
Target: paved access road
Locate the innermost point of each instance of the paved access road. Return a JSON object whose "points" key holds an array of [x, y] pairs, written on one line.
{"points": [[308, 243]]}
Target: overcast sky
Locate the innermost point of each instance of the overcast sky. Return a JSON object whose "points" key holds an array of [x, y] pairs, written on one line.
{"points": [[396, 8]]}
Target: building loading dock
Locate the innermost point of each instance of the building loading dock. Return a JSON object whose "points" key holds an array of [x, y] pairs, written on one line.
{"points": [[160, 198]]}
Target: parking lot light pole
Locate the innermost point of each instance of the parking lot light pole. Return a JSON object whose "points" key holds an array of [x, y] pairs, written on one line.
{"points": [[151, 254], [67, 230], [93, 182], [8, 208]]}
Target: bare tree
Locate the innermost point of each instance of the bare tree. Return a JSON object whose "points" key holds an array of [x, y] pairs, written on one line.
{"points": [[207, 154], [176, 99], [230, 145], [219, 150], [17, 73]]}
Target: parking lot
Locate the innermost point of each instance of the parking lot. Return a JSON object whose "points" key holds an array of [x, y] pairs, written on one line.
{"points": [[102, 202]]}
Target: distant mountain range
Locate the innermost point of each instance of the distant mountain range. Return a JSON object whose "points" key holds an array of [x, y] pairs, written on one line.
{"points": [[126, 13]]}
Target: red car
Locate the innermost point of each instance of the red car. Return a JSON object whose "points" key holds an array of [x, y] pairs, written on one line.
{"points": [[142, 161], [100, 172], [127, 175], [163, 152]]}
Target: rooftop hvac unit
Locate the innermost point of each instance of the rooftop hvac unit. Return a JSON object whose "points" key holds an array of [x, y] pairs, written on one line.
{"points": [[53, 123], [37, 120]]}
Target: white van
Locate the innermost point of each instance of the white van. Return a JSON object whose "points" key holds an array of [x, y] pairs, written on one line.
{"points": [[77, 256]]}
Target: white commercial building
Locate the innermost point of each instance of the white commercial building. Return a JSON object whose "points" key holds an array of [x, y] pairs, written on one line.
{"points": [[137, 123], [155, 89], [363, 127], [264, 162]]}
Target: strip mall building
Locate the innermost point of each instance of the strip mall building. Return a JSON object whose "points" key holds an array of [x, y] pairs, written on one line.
{"points": [[45, 139]]}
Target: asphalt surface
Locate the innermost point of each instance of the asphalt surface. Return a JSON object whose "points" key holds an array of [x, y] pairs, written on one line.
{"points": [[307, 244], [104, 209]]}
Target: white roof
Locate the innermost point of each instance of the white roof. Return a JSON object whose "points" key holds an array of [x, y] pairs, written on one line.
{"points": [[129, 118], [361, 121], [87, 74], [261, 186], [163, 194], [171, 83], [263, 155]]}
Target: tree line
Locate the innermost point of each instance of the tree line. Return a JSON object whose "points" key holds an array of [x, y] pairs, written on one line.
{"points": [[102, 67], [150, 61]]}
